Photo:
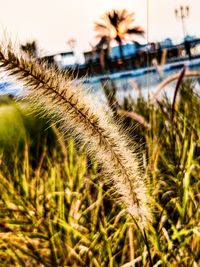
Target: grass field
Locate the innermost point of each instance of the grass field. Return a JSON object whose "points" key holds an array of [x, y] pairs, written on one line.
{"points": [[56, 209]]}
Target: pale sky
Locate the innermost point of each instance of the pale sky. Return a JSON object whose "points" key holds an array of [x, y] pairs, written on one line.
{"points": [[52, 22]]}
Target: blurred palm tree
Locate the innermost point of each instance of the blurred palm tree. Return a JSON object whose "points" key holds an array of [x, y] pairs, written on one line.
{"points": [[30, 48], [116, 25]]}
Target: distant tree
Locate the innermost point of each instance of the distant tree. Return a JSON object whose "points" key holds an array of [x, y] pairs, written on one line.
{"points": [[116, 25], [30, 48]]}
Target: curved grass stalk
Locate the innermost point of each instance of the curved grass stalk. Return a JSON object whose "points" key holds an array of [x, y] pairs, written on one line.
{"points": [[171, 78], [65, 100], [137, 117]]}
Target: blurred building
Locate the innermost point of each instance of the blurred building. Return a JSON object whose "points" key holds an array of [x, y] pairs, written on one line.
{"points": [[103, 61], [92, 56], [63, 60], [167, 43], [128, 50], [114, 53]]}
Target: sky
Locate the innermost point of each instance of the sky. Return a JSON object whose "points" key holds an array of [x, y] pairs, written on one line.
{"points": [[53, 22]]}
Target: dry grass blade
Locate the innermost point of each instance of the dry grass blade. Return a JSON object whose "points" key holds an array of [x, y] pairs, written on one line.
{"points": [[180, 79], [171, 78], [135, 116]]}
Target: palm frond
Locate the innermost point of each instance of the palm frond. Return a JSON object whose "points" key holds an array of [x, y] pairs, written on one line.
{"points": [[136, 30]]}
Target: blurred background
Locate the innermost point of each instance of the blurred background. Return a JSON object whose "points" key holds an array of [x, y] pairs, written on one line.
{"points": [[132, 43]]}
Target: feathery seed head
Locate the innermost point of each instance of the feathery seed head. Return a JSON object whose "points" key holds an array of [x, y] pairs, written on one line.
{"points": [[71, 106]]}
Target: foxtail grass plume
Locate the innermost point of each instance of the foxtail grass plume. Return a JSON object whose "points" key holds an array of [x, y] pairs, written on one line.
{"points": [[64, 98]]}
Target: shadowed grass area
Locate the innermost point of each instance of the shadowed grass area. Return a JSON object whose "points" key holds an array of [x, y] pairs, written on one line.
{"points": [[55, 209], [12, 131]]}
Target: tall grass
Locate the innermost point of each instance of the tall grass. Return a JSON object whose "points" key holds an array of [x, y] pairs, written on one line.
{"points": [[172, 166], [55, 206], [58, 211]]}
